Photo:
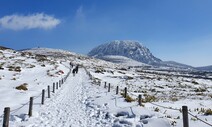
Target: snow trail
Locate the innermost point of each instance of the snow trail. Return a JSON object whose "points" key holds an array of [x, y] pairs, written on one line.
{"points": [[67, 108]]}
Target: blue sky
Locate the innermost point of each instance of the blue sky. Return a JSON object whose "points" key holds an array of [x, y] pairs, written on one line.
{"points": [[178, 30]]}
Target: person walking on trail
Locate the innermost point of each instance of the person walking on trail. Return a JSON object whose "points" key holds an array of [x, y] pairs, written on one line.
{"points": [[71, 65], [77, 67], [75, 70]]}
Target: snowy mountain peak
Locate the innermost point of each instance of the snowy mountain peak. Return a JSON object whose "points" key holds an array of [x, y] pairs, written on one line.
{"points": [[128, 48]]}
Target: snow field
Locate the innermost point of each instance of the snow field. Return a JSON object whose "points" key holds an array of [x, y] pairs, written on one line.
{"points": [[81, 102], [166, 94]]}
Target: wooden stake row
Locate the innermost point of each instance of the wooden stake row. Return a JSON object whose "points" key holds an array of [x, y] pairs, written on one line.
{"points": [[184, 108], [7, 109]]}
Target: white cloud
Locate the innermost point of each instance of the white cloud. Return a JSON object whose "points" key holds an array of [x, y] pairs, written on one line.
{"points": [[80, 15], [20, 22]]}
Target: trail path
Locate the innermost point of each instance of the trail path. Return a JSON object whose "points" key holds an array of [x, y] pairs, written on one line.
{"points": [[69, 107]]}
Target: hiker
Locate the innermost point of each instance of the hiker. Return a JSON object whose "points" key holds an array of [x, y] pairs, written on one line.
{"points": [[71, 65], [74, 71], [77, 67]]}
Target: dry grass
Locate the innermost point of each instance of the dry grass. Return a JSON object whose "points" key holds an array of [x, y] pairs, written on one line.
{"points": [[22, 87], [128, 98], [208, 112], [149, 98], [13, 68], [200, 90]]}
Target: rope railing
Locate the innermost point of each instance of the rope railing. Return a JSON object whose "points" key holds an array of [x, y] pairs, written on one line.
{"points": [[165, 107], [199, 119], [12, 112], [170, 108], [180, 111]]}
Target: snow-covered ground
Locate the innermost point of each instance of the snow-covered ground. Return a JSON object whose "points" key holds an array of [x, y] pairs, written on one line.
{"points": [[82, 101], [163, 94], [124, 61]]}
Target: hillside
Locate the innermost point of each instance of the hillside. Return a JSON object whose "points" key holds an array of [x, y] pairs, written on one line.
{"points": [[83, 101], [206, 68]]}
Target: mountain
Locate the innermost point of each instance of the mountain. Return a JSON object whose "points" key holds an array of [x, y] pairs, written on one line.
{"points": [[3, 48], [177, 65], [130, 49], [135, 51], [205, 68]]}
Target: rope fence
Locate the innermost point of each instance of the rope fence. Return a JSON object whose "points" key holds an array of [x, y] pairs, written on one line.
{"points": [[184, 109], [8, 112], [181, 111], [185, 116]]}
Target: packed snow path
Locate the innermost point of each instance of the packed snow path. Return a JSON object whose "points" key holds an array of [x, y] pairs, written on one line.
{"points": [[80, 103], [68, 107]]}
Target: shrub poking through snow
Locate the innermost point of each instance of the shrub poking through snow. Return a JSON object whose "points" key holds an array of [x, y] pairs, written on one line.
{"points": [[128, 98], [13, 78], [22, 87], [208, 112], [42, 65], [99, 70], [194, 82], [174, 99], [17, 69], [129, 78], [1, 68], [12, 68], [41, 58], [200, 90], [149, 98], [31, 66], [157, 109], [26, 54]]}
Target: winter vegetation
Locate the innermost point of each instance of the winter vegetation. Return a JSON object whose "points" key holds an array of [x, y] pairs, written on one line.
{"points": [[86, 100]]}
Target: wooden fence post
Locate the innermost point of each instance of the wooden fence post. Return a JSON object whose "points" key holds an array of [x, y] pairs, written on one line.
{"points": [[43, 96], [30, 106], [125, 92], [105, 84], [53, 87], [139, 99], [185, 116], [109, 87], [117, 89], [48, 91], [6, 117]]}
